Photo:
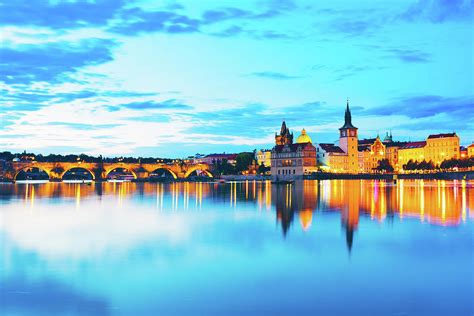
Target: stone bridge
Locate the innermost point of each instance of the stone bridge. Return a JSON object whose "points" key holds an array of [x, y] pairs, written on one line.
{"points": [[100, 171]]}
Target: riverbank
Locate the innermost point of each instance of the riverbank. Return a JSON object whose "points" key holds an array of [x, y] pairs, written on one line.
{"points": [[465, 175]]}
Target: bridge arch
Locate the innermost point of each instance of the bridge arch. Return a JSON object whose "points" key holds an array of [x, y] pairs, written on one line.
{"points": [[175, 176], [78, 167], [198, 168], [48, 172], [109, 170]]}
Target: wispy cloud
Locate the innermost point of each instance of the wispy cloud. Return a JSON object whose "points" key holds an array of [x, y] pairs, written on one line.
{"points": [[409, 55], [83, 126], [171, 104], [440, 11], [460, 108], [274, 75]]}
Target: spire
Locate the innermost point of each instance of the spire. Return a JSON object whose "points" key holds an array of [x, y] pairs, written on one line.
{"points": [[348, 117], [283, 128]]}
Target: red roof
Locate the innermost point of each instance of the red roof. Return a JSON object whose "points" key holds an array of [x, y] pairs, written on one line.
{"points": [[331, 148], [442, 135], [472, 145], [409, 145]]}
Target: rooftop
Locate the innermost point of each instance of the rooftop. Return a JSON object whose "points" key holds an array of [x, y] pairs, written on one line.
{"points": [[293, 147], [331, 148], [442, 135], [410, 145]]}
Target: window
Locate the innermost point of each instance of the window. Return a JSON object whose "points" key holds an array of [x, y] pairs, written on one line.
{"points": [[294, 171], [278, 171]]}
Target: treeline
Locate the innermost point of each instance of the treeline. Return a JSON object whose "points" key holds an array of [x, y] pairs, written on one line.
{"points": [[243, 162], [8, 156], [449, 164]]}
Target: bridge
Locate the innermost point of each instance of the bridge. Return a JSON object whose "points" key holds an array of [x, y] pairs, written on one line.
{"points": [[100, 171]]}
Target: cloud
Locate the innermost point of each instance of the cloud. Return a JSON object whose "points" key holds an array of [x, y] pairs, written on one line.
{"points": [[355, 27], [152, 105], [59, 14], [409, 55], [135, 21], [274, 75], [50, 62], [440, 11], [428, 106], [213, 16], [83, 126]]}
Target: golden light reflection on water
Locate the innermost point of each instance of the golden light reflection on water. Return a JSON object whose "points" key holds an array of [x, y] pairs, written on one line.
{"points": [[435, 202]]}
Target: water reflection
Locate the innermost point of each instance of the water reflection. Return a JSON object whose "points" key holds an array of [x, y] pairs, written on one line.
{"points": [[433, 202]]}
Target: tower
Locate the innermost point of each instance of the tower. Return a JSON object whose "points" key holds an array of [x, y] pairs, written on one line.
{"points": [[285, 137], [349, 143]]}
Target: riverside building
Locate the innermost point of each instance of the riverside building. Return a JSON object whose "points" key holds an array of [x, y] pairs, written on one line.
{"points": [[345, 157], [290, 161]]}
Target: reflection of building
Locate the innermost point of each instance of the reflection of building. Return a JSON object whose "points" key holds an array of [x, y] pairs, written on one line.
{"points": [[436, 148], [263, 156], [289, 160], [299, 198], [342, 158]]}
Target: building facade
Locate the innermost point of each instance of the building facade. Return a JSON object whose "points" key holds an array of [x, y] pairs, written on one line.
{"points": [[436, 148], [264, 156], [217, 158], [291, 161], [470, 150]]}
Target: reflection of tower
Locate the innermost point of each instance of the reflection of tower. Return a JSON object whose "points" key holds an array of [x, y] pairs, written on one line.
{"points": [[348, 142], [284, 205], [350, 210]]}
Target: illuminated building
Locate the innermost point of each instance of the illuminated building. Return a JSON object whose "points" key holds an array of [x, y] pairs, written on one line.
{"points": [[345, 157], [292, 160], [264, 156], [372, 151], [441, 147], [470, 150], [218, 158], [411, 151], [436, 148], [330, 157]]}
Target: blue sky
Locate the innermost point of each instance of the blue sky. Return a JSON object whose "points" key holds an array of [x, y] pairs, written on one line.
{"points": [[173, 78]]}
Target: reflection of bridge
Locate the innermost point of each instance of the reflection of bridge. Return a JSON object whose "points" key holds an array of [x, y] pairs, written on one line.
{"points": [[100, 171]]}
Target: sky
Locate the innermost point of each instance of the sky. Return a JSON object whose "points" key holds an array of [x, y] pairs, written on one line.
{"points": [[175, 78]]}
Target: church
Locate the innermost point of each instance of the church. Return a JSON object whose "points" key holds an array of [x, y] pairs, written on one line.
{"points": [[290, 161]]}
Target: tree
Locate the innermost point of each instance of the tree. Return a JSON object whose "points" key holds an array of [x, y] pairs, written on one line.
{"points": [[243, 161], [384, 166], [262, 169]]}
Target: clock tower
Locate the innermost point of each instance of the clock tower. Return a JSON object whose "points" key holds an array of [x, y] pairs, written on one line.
{"points": [[349, 143]]}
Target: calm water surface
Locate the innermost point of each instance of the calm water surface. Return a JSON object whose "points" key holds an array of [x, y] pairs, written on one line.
{"points": [[311, 248]]}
